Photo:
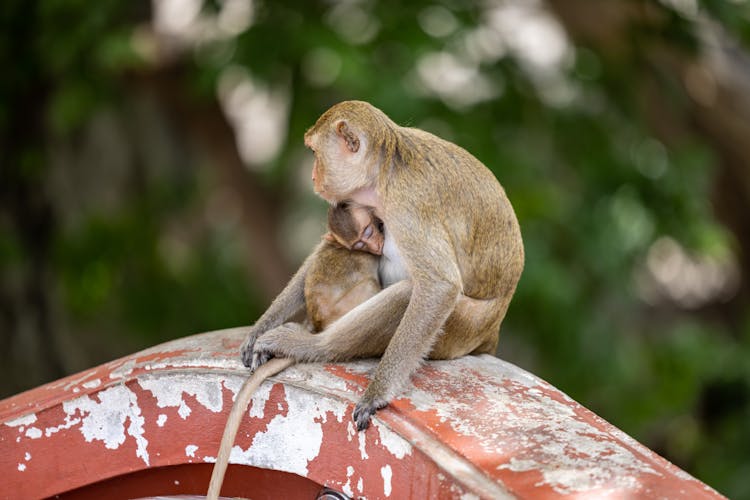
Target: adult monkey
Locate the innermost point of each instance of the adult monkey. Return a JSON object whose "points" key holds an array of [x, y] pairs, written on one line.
{"points": [[448, 217]]}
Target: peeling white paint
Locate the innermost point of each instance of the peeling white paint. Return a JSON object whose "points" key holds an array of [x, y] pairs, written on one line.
{"points": [[220, 363], [362, 442], [168, 391], [105, 420], [25, 420], [184, 410], [351, 431], [21, 467], [92, 384], [347, 488], [68, 423], [395, 444], [27, 456], [190, 450], [123, 371], [33, 433], [360, 485], [234, 384], [469, 496], [291, 441], [387, 474], [76, 381], [258, 402], [161, 420], [580, 458]]}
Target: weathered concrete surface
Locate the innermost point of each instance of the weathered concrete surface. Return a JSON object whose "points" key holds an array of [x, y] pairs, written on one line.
{"points": [[473, 427]]}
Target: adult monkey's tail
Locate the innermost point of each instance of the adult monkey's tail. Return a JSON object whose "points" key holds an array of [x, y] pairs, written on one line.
{"points": [[269, 369]]}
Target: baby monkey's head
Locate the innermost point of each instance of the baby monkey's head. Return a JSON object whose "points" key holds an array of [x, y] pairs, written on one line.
{"points": [[355, 227]]}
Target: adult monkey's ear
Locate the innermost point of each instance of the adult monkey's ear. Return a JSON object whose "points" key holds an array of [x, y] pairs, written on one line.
{"points": [[349, 137]]}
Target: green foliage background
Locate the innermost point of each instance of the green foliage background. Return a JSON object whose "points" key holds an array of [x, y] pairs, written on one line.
{"points": [[112, 238]]}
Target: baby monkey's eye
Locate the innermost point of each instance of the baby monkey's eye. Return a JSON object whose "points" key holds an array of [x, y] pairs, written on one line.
{"points": [[359, 245], [368, 231]]}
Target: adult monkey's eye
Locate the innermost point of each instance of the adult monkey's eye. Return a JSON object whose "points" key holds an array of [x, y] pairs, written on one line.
{"points": [[359, 245], [368, 231]]}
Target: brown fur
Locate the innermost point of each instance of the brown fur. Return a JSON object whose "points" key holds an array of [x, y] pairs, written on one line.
{"points": [[332, 290], [456, 230]]}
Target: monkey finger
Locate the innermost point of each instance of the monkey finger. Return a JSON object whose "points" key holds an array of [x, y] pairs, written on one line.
{"points": [[365, 410], [246, 352], [259, 359]]}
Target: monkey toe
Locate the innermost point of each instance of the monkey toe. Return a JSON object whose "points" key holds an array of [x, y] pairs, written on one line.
{"points": [[364, 411], [246, 354]]}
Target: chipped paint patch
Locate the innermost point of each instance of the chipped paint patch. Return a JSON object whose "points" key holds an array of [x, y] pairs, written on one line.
{"points": [[347, 488], [219, 363], [92, 384], [362, 446], [169, 391], [469, 496], [387, 474], [293, 439], [105, 420], [161, 420], [123, 371], [68, 423], [395, 444], [351, 431], [22, 421], [183, 410], [541, 429], [33, 433], [574, 470], [258, 403], [190, 450]]}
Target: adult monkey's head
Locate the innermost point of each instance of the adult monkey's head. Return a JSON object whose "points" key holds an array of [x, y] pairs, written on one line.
{"points": [[349, 142]]}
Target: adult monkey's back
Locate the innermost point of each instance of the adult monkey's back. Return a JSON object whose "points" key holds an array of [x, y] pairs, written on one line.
{"points": [[450, 220]]}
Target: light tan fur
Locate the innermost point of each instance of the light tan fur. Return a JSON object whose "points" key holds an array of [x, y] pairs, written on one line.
{"points": [[450, 220]]}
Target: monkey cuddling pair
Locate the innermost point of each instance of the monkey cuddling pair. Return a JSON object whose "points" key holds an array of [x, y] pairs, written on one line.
{"points": [[452, 255]]}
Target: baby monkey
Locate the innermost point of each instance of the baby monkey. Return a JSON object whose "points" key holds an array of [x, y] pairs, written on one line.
{"points": [[343, 273]]}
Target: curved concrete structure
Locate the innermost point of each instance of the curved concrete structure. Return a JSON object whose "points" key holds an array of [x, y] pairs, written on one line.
{"points": [[150, 424]]}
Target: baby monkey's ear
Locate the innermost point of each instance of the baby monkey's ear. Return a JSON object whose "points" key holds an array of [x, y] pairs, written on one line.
{"points": [[331, 238]]}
